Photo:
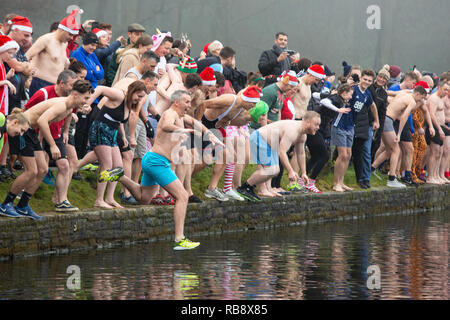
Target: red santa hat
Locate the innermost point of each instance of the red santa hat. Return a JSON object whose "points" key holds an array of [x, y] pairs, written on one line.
{"points": [[21, 23], [290, 76], [252, 94], [70, 24], [422, 84], [208, 77], [7, 43], [205, 48], [99, 32], [317, 71]]}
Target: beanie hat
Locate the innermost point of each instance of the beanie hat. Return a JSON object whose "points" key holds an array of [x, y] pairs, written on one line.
{"points": [[188, 65], [289, 77], [394, 71], [217, 67], [70, 24], [90, 38], [21, 23], [99, 32], [328, 72], [259, 110], [252, 94], [158, 39], [347, 68], [317, 71], [384, 72], [7, 43], [208, 77], [422, 84]]}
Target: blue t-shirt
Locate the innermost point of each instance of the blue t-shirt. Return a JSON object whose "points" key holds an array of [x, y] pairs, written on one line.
{"points": [[342, 121], [356, 103], [396, 87]]}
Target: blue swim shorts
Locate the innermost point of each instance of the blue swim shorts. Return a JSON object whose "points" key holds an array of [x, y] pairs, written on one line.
{"points": [[260, 152], [156, 170]]}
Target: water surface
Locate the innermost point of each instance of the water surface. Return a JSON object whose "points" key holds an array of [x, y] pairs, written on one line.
{"points": [[316, 261]]}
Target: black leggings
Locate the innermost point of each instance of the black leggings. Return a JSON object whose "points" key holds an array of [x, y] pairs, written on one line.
{"points": [[319, 155]]}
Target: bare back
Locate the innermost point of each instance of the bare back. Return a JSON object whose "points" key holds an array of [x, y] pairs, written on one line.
{"points": [[301, 98], [399, 104], [49, 57], [288, 132], [58, 104], [176, 83]]}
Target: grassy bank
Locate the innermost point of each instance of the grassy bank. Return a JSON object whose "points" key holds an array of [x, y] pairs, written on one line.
{"points": [[83, 193]]}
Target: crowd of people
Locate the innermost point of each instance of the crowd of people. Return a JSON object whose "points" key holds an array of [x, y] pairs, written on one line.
{"points": [[147, 112]]}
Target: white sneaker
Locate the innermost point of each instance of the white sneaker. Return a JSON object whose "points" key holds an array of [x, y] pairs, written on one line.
{"points": [[215, 194], [395, 184], [232, 195]]}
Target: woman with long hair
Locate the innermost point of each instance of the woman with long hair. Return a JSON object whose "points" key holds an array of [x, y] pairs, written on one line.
{"points": [[104, 132]]}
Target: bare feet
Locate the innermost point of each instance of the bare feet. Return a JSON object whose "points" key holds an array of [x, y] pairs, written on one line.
{"points": [[102, 205], [114, 204], [265, 194], [275, 193], [338, 188], [432, 181], [346, 188]]}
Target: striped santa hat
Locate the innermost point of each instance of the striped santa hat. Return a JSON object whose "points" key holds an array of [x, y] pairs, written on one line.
{"points": [[7, 43], [188, 65], [289, 77], [21, 23], [208, 77], [252, 94], [70, 24], [99, 32]]}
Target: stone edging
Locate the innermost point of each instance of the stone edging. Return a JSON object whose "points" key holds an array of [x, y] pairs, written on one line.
{"points": [[58, 233]]}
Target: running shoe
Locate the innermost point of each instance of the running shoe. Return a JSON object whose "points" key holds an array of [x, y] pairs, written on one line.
{"points": [[232, 195], [49, 178], [311, 186], [65, 206], [77, 176], [215, 194], [395, 184], [128, 200], [423, 178], [248, 194], [8, 174], [185, 244], [27, 212], [89, 167], [295, 188], [7, 210], [111, 175], [170, 201], [409, 182], [158, 200], [194, 199]]}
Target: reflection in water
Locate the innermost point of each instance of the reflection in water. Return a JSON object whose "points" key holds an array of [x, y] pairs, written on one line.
{"points": [[322, 261]]}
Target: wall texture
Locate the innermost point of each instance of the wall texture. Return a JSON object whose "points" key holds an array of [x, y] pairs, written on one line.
{"points": [[57, 233], [411, 32]]}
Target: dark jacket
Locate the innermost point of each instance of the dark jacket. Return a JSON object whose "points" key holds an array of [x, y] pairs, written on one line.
{"points": [[206, 62], [268, 64], [237, 78], [105, 54], [379, 96]]}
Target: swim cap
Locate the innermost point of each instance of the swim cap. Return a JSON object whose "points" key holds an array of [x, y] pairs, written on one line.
{"points": [[259, 110]]}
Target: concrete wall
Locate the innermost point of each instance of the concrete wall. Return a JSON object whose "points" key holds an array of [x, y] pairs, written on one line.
{"points": [[58, 233], [411, 32]]}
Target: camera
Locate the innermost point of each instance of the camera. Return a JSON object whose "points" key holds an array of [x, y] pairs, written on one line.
{"points": [[355, 77], [290, 52]]}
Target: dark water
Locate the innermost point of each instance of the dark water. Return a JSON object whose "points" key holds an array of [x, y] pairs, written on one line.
{"points": [[318, 261]]}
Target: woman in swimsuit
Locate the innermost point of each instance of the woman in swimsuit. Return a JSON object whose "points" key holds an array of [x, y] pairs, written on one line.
{"points": [[105, 129]]}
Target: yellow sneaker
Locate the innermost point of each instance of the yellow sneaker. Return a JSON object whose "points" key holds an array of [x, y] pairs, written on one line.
{"points": [[185, 244]]}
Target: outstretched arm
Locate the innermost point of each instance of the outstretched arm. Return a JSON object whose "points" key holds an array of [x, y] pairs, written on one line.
{"points": [[114, 95]]}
